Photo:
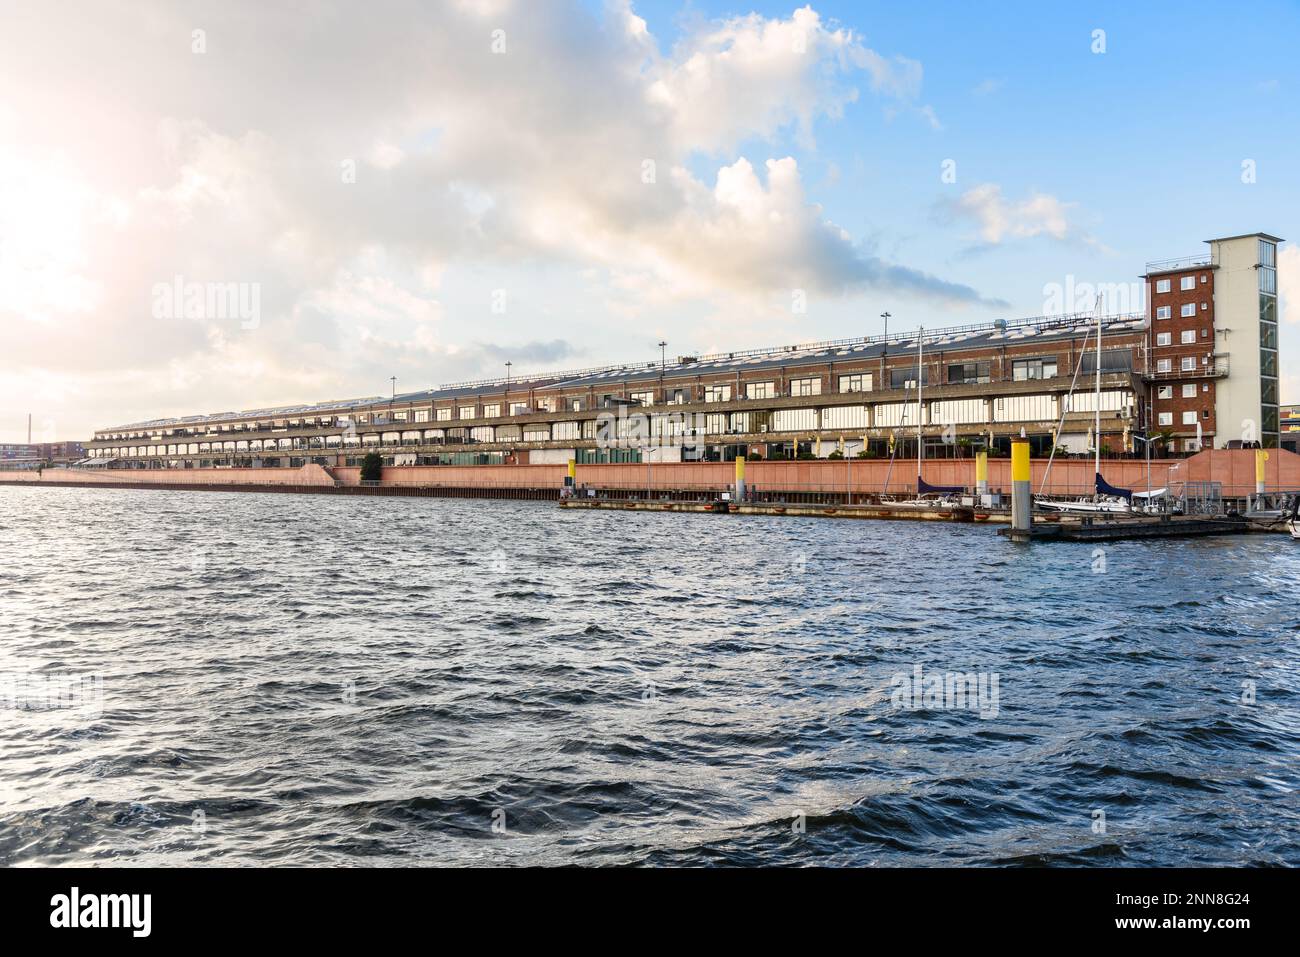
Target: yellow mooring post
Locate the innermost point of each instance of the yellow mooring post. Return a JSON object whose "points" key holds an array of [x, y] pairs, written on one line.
{"points": [[740, 478], [982, 472], [1022, 502], [573, 477], [1260, 458]]}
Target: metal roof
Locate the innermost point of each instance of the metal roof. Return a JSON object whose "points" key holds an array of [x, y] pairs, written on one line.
{"points": [[1000, 332]]}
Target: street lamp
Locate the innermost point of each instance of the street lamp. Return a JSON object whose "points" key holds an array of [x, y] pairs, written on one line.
{"points": [[663, 355]]}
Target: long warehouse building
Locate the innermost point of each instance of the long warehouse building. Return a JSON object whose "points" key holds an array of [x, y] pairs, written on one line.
{"points": [[1168, 371]]}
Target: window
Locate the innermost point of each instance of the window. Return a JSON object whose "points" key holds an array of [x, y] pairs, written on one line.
{"points": [[1189, 390], [1268, 281], [643, 398], [969, 373], [1188, 364], [575, 405], [1267, 253], [1164, 392], [400, 416], [1022, 369], [1163, 312], [1164, 338], [1188, 309], [1164, 365], [1189, 417], [906, 378], [760, 390], [421, 415], [859, 382], [1162, 285], [492, 411], [1166, 418], [1187, 282], [806, 386], [443, 415], [1267, 362], [519, 408], [466, 412], [1268, 335], [1188, 337], [717, 393]]}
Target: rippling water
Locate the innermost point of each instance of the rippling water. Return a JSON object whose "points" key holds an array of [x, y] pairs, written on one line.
{"points": [[320, 680]]}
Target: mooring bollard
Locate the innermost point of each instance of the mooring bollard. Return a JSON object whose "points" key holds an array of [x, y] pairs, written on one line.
{"points": [[740, 478], [1260, 458], [982, 472], [1022, 502]]}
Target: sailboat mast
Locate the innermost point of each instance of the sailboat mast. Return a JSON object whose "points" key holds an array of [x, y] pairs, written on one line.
{"points": [[920, 380], [1097, 398]]}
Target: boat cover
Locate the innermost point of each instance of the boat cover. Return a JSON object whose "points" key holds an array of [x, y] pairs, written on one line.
{"points": [[923, 487], [1105, 488]]}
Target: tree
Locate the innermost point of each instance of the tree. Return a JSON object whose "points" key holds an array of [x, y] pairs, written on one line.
{"points": [[372, 467]]}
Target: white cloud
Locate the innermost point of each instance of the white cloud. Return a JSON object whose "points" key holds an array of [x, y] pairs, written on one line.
{"points": [[471, 167], [1288, 283], [999, 219]]}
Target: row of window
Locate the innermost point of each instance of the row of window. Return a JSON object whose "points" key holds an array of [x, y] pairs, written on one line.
{"points": [[1188, 390], [1186, 338], [1189, 417], [1185, 364], [1185, 283], [1186, 310]]}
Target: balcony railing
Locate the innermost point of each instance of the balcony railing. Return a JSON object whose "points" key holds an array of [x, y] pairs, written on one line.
{"points": [[1216, 369], [1172, 265]]}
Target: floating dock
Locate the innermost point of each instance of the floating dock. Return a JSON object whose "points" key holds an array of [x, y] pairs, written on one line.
{"points": [[1110, 531]]}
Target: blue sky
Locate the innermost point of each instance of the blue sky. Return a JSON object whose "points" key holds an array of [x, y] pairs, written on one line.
{"points": [[500, 209]]}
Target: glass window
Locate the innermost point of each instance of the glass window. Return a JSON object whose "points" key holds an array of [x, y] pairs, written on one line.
{"points": [[1267, 253], [1164, 338], [1188, 309], [1163, 365], [1188, 337], [1268, 280], [444, 415], [1166, 418], [760, 390], [1189, 390], [1268, 308], [906, 378], [717, 393], [1022, 369], [1164, 312], [1162, 285], [1268, 391], [1267, 362], [492, 411], [858, 382], [1189, 364], [1187, 282], [969, 372], [466, 412], [1268, 335], [1189, 417], [806, 386], [1164, 392]]}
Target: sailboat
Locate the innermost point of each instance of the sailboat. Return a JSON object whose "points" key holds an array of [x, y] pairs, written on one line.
{"points": [[922, 486], [1108, 499]]}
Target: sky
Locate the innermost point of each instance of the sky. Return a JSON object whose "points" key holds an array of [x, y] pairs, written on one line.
{"points": [[207, 207]]}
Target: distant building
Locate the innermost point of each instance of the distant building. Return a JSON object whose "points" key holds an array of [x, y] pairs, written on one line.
{"points": [[42, 452], [1290, 422]]}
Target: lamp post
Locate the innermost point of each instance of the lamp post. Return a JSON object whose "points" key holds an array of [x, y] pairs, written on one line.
{"points": [[884, 349], [663, 356]]}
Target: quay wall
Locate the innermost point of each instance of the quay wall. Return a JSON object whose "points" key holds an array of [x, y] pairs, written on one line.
{"points": [[1235, 468]]}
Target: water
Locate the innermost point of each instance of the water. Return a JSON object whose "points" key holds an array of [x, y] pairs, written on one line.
{"points": [[346, 680]]}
